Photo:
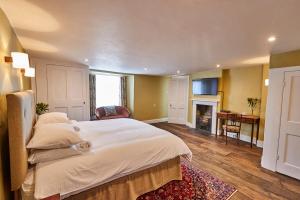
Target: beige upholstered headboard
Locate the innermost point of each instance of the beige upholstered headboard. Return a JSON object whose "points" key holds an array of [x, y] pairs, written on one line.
{"points": [[21, 118]]}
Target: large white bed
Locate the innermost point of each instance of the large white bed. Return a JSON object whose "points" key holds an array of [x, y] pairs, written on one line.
{"points": [[119, 148]]}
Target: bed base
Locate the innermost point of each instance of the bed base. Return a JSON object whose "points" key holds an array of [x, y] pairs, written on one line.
{"points": [[131, 186]]}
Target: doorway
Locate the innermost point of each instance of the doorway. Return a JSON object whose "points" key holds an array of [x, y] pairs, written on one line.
{"points": [[178, 99]]}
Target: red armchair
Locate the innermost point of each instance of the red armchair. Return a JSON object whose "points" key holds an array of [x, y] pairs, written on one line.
{"points": [[122, 112]]}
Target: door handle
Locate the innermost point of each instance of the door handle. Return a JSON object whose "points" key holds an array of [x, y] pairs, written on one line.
{"points": [[84, 102]]}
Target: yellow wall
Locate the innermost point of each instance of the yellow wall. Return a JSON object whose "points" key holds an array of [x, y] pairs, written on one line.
{"points": [[10, 80], [286, 59], [199, 75], [150, 97], [264, 94], [239, 84]]}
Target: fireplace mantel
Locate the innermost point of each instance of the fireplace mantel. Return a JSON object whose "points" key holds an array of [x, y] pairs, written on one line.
{"points": [[209, 102], [206, 99]]}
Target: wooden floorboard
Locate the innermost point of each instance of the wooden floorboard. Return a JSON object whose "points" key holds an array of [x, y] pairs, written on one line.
{"points": [[235, 164]]}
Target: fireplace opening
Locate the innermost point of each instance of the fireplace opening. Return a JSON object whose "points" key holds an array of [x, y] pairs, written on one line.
{"points": [[204, 117]]}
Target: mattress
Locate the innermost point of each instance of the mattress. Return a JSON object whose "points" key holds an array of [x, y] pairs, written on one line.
{"points": [[119, 147]]}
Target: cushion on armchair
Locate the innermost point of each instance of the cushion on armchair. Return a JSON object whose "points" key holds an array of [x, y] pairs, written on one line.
{"points": [[110, 111]]}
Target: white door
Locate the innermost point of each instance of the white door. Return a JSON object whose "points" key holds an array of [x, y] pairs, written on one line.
{"points": [[67, 91], [178, 99], [289, 140]]}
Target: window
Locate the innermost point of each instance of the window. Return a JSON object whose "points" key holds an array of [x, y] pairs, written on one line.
{"points": [[107, 90]]}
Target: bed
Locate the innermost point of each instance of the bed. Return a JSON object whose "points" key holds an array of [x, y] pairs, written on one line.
{"points": [[128, 158]]}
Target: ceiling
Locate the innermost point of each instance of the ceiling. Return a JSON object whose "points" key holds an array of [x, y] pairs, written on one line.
{"points": [[161, 35]]}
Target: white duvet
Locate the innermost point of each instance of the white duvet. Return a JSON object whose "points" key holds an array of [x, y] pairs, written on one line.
{"points": [[118, 147]]}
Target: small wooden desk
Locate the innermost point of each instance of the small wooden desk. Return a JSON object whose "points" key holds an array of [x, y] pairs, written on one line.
{"points": [[247, 119]]}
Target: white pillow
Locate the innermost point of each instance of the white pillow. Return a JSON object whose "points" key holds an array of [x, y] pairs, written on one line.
{"points": [[38, 156], [52, 117], [56, 135]]}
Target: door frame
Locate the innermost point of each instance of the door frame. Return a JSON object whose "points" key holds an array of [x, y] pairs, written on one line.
{"points": [[187, 77], [273, 116]]}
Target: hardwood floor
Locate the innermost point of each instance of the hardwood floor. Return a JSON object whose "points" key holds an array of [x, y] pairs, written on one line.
{"points": [[238, 165]]}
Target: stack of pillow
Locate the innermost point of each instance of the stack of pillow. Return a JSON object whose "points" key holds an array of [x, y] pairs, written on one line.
{"points": [[55, 137]]}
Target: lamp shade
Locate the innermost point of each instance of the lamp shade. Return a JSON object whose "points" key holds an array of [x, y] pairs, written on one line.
{"points": [[267, 82], [20, 60], [29, 72]]}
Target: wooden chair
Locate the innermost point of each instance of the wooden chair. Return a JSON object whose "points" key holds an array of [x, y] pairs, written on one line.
{"points": [[233, 124]]}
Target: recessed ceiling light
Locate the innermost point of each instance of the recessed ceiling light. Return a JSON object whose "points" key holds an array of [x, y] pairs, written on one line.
{"points": [[218, 65], [178, 71], [146, 69], [86, 60], [271, 38]]}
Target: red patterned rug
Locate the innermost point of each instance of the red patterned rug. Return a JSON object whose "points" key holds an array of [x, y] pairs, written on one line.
{"points": [[195, 185]]}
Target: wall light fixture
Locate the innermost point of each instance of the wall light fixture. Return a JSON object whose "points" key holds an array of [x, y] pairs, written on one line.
{"points": [[29, 72], [19, 60]]}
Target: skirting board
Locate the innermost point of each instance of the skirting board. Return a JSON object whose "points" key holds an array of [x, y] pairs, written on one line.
{"points": [[243, 137], [151, 121], [189, 124], [247, 138]]}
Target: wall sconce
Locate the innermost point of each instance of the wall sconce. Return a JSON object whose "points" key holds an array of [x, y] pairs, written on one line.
{"points": [[267, 82], [19, 60], [29, 72]]}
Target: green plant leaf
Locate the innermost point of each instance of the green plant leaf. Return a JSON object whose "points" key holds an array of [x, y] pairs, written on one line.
{"points": [[41, 108]]}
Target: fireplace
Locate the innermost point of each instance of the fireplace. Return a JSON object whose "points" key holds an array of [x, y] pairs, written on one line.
{"points": [[204, 115]]}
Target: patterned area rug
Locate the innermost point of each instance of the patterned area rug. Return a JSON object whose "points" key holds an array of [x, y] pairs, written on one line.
{"points": [[195, 185]]}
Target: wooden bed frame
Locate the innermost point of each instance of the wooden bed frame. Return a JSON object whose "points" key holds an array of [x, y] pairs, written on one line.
{"points": [[21, 119]]}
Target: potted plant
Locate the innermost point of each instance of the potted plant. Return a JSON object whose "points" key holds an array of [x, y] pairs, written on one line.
{"points": [[252, 103], [41, 108]]}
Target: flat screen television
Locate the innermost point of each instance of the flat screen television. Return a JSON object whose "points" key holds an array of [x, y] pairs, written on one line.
{"points": [[205, 86]]}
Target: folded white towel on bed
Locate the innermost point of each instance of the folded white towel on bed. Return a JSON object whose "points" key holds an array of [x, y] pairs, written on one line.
{"points": [[83, 146]]}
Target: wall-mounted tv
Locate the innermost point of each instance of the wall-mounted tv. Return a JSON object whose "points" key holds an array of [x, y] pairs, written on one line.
{"points": [[205, 86]]}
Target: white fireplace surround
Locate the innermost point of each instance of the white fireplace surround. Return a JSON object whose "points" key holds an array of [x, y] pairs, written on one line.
{"points": [[214, 104]]}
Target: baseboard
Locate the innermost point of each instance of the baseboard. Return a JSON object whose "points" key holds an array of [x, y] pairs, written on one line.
{"points": [[265, 163], [189, 124], [260, 143], [246, 138], [151, 121]]}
